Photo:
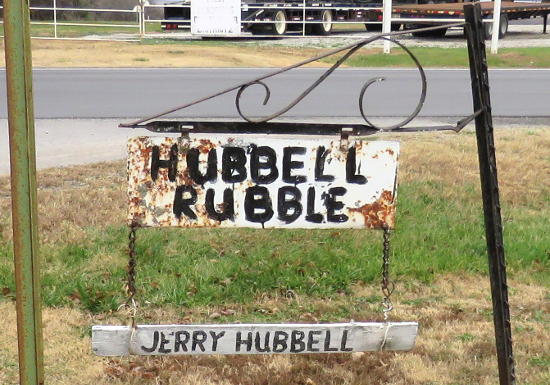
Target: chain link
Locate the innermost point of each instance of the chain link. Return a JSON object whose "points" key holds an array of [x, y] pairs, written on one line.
{"points": [[131, 274], [387, 285]]}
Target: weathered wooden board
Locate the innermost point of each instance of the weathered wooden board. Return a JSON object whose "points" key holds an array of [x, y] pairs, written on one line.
{"points": [[265, 183], [253, 338]]}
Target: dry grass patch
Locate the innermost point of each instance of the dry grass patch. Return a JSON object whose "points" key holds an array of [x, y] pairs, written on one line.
{"points": [[455, 344], [50, 53], [522, 155], [66, 353]]}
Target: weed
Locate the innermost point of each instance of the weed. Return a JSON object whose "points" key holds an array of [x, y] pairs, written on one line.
{"points": [[542, 361], [466, 337]]}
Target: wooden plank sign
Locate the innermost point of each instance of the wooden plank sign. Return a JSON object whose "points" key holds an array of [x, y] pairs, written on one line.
{"points": [[253, 338], [263, 183]]}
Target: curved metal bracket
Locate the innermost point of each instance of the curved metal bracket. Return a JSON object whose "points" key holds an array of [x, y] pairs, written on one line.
{"points": [[261, 124]]}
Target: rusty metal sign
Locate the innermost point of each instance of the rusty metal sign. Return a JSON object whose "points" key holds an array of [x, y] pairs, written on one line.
{"points": [[262, 183]]}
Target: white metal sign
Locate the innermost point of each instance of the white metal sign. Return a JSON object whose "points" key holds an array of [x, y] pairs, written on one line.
{"points": [[253, 338], [265, 183], [216, 17]]}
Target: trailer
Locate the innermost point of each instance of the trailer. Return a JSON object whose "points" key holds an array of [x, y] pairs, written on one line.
{"points": [[278, 17], [423, 15]]}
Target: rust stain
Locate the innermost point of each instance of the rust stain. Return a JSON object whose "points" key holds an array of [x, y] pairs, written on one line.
{"points": [[390, 151], [380, 213], [205, 146]]}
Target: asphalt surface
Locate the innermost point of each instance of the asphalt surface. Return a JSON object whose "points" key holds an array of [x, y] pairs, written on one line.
{"points": [[73, 107], [131, 93]]}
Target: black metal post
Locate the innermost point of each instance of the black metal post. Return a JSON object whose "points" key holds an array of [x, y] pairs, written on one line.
{"points": [[489, 187], [544, 22]]}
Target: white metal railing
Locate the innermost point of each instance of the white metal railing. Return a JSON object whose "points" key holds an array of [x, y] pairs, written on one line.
{"points": [[56, 23], [143, 19]]}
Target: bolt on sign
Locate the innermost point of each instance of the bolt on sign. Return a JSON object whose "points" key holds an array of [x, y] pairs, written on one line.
{"points": [[263, 183]]}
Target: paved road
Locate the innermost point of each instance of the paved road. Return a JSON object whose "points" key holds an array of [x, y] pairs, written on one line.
{"points": [[81, 97], [130, 93]]}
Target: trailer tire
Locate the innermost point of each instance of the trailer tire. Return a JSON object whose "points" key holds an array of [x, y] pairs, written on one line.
{"points": [[503, 27], [279, 27], [324, 28]]}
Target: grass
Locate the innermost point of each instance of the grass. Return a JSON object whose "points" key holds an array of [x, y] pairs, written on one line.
{"points": [[440, 230], [75, 31], [534, 57], [439, 264]]}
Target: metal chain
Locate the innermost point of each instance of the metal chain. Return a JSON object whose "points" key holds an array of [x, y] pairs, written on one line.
{"points": [[131, 274], [387, 285]]}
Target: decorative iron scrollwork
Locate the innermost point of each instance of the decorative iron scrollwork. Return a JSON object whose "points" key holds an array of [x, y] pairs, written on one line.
{"points": [[349, 50]]}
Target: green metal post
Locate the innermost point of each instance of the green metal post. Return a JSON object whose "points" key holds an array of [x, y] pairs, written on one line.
{"points": [[23, 190]]}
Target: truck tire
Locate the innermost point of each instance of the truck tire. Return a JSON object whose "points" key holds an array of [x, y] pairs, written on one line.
{"points": [[324, 28], [437, 33], [279, 27], [503, 27]]}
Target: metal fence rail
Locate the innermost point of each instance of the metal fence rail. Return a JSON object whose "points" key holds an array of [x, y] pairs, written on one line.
{"points": [[146, 14], [56, 23]]}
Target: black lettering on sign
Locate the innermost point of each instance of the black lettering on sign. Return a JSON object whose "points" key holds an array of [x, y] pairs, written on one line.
{"points": [[257, 198], [257, 342], [344, 340], [228, 206], [171, 164], [193, 162], [297, 343], [312, 216], [181, 339], [280, 341], [320, 160], [289, 209], [155, 344], [351, 168], [198, 340], [327, 343], [163, 343], [233, 164], [289, 165], [239, 341], [263, 158], [333, 205], [215, 338], [183, 205], [312, 341]]}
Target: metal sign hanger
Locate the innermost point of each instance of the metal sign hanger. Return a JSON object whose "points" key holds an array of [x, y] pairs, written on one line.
{"points": [[187, 339]]}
